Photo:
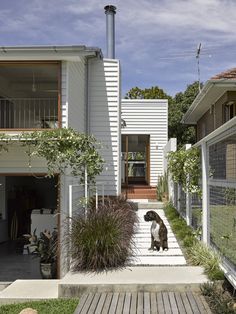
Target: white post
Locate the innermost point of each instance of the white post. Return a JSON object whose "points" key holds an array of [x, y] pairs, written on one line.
{"points": [[86, 189], [179, 198], [188, 208], [96, 196], [103, 194], [205, 196], [188, 197], [70, 216]]}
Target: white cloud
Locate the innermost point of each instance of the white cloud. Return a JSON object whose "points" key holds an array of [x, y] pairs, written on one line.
{"points": [[151, 34]]}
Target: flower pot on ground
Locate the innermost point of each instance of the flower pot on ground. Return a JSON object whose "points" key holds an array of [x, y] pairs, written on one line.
{"points": [[47, 251], [45, 247]]}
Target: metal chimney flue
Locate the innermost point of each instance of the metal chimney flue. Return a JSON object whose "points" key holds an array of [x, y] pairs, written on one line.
{"points": [[110, 11]]}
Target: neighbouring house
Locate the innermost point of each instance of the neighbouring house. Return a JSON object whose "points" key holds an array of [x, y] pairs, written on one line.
{"points": [[143, 137], [213, 112]]}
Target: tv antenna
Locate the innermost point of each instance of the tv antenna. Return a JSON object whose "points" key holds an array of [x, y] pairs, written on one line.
{"points": [[198, 65]]}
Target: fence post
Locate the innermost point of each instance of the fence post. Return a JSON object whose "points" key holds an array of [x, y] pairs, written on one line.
{"points": [[188, 207], [205, 196], [188, 197], [86, 189], [179, 198]]}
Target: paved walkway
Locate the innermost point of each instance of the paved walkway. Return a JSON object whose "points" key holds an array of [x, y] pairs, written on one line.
{"points": [[143, 303], [173, 257], [152, 272]]}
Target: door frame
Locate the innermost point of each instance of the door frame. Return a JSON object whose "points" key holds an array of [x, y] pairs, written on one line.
{"points": [[147, 174]]}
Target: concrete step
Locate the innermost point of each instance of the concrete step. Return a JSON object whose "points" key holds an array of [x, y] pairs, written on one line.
{"points": [[141, 196], [174, 260], [133, 279], [4, 284], [145, 252], [147, 243], [145, 204], [25, 290]]}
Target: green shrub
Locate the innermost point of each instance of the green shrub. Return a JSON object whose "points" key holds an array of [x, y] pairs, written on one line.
{"points": [[197, 252], [103, 240], [220, 301], [189, 241]]}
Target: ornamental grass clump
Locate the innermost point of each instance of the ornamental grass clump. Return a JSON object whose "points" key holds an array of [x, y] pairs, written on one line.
{"points": [[200, 254], [103, 240]]}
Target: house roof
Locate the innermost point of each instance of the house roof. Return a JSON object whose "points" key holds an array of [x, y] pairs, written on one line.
{"points": [[51, 52], [210, 93], [228, 74]]}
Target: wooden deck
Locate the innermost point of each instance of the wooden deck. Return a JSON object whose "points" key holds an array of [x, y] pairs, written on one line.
{"points": [[143, 303]]}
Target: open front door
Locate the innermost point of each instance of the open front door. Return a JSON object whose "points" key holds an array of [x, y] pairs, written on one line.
{"points": [[135, 160]]}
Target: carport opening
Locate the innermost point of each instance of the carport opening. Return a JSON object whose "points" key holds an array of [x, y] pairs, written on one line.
{"points": [[26, 203]]}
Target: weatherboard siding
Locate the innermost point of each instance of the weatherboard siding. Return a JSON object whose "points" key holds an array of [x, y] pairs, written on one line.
{"points": [[148, 117], [104, 118], [73, 95]]}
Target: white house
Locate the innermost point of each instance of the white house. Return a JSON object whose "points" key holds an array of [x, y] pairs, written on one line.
{"points": [[143, 137], [50, 87]]}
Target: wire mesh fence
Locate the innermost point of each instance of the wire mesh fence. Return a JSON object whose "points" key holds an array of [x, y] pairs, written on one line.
{"points": [[222, 199]]}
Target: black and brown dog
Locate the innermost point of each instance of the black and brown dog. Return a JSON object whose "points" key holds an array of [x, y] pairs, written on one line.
{"points": [[158, 231]]}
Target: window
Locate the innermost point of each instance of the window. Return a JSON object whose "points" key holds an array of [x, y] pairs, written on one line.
{"points": [[229, 111]]}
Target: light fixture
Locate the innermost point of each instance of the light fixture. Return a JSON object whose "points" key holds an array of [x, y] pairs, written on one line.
{"points": [[123, 123]]}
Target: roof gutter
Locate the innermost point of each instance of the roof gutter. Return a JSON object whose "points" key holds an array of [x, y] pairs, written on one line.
{"points": [[207, 87], [53, 49], [196, 101]]}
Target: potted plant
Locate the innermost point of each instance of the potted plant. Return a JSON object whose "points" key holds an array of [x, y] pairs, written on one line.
{"points": [[45, 247], [47, 251]]}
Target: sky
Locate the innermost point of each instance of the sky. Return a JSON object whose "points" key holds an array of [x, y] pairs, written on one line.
{"points": [[156, 40]]}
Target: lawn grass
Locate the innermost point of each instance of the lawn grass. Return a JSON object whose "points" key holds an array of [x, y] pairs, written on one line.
{"points": [[53, 306], [223, 229]]}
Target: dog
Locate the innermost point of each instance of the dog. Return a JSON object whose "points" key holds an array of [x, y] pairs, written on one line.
{"points": [[158, 231]]}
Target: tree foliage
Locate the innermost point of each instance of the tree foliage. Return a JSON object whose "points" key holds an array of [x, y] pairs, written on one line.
{"points": [[185, 134], [153, 92], [65, 150], [184, 167], [177, 107]]}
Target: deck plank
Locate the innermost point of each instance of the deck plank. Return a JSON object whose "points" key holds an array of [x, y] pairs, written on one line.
{"points": [[94, 303], [87, 304], [114, 301], [192, 302], [107, 303], [133, 305], [179, 302], [146, 307], [166, 302], [120, 303], [160, 304], [81, 304], [199, 303], [173, 303], [143, 303], [127, 301], [101, 303], [186, 303], [153, 303], [140, 303]]}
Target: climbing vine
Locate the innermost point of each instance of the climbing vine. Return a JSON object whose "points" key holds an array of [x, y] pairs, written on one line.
{"points": [[184, 167], [63, 149]]}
